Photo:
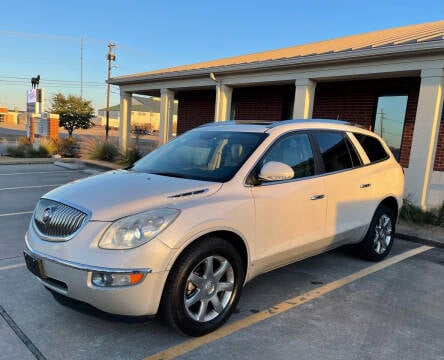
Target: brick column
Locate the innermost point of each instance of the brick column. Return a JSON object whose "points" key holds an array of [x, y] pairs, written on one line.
{"points": [[53, 126], [32, 128]]}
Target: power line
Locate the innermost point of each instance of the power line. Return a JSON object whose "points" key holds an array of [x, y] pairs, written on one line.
{"points": [[135, 51], [27, 79], [50, 36], [9, 83]]}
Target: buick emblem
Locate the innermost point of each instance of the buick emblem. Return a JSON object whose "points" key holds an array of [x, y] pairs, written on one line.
{"points": [[46, 216]]}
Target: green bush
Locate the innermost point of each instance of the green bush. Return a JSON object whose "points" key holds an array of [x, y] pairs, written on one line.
{"points": [[100, 149], [17, 150], [68, 147], [131, 156], [50, 146], [41, 152], [27, 151], [414, 214]]}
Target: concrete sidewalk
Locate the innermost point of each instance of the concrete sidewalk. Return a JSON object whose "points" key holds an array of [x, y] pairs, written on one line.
{"points": [[425, 234], [70, 163]]}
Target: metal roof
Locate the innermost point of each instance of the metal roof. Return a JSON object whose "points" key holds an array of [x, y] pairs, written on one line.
{"points": [[395, 37]]}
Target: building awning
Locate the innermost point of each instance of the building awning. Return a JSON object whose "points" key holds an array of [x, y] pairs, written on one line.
{"points": [[426, 37]]}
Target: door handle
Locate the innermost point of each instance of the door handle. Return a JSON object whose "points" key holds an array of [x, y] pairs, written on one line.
{"points": [[363, 186], [317, 197]]}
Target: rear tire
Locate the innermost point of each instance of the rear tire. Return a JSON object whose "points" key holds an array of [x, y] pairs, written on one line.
{"points": [[378, 241], [203, 287]]}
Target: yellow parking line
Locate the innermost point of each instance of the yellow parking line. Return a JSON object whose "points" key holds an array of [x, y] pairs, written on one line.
{"points": [[229, 329]]}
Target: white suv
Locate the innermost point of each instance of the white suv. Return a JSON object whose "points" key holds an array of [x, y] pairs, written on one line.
{"points": [[182, 231]]}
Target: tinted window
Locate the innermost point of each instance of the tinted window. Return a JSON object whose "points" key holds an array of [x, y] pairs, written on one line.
{"points": [[374, 149], [295, 151], [334, 150]]}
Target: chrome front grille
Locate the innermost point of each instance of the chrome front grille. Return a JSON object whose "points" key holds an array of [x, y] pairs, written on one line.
{"points": [[54, 221]]}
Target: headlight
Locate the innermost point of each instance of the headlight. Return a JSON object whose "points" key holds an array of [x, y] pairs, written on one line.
{"points": [[135, 230]]}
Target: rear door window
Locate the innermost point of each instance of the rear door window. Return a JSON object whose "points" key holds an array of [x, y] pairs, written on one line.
{"points": [[372, 146], [334, 150]]}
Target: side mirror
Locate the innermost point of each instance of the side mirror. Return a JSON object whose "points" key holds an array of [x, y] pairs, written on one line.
{"points": [[273, 171]]}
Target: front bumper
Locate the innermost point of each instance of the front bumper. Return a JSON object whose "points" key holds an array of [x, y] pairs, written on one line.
{"points": [[73, 280]]}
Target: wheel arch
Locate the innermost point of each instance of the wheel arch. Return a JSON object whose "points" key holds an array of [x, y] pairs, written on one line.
{"points": [[232, 237], [392, 204]]}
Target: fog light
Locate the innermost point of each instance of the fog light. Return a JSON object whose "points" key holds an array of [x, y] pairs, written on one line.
{"points": [[111, 279]]}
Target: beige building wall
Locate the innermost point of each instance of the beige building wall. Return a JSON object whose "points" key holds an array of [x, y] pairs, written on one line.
{"points": [[137, 118]]}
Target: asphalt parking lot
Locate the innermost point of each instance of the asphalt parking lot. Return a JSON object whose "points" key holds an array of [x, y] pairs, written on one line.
{"points": [[332, 306]]}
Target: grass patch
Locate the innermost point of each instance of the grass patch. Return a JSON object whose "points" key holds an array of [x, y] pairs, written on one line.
{"points": [[414, 214]]}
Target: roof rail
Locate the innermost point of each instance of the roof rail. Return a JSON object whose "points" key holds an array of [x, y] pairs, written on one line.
{"points": [[301, 121], [238, 122], [272, 123]]}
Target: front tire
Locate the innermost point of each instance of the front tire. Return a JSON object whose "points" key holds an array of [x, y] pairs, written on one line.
{"points": [[203, 287], [378, 241]]}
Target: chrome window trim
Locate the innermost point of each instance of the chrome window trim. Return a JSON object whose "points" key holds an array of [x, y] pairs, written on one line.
{"points": [[346, 133], [82, 267]]}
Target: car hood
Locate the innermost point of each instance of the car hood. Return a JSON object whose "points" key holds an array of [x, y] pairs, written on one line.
{"points": [[120, 193]]}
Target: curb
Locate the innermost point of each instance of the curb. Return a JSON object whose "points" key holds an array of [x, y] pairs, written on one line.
{"points": [[26, 161], [102, 165], [419, 240], [68, 163]]}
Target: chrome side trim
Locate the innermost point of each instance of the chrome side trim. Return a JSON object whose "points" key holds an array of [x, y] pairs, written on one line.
{"points": [[82, 267]]}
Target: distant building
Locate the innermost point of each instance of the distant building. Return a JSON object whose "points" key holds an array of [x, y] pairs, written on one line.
{"points": [[12, 116], [145, 112]]}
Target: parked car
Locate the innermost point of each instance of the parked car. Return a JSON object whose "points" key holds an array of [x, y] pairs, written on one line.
{"points": [[189, 224]]}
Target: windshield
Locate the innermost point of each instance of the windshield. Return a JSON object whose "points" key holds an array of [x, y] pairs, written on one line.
{"points": [[202, 155]]}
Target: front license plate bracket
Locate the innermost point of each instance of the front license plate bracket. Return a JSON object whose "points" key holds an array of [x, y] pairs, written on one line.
{"points": [[34, 265]]}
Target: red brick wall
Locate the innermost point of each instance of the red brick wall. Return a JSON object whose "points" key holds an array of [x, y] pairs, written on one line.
{"points": [[263, 103], [53, 128], [356, 101], [195, 108], [439, 156]]}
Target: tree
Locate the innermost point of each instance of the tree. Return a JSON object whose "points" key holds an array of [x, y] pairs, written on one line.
{"points": [[75, 112]]}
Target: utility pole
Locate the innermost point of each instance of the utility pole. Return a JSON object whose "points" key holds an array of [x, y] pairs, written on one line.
{"points": [[110, 57], [381, 120], [81, 67]]}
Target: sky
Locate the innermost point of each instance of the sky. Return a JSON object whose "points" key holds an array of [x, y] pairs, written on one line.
{"points": [[44, 37]]}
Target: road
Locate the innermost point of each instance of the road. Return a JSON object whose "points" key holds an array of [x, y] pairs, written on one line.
{"points": [[332, 306]]}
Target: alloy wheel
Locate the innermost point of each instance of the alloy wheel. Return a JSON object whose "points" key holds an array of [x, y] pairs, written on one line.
{"points": [[209, 288], [383, 234]]}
